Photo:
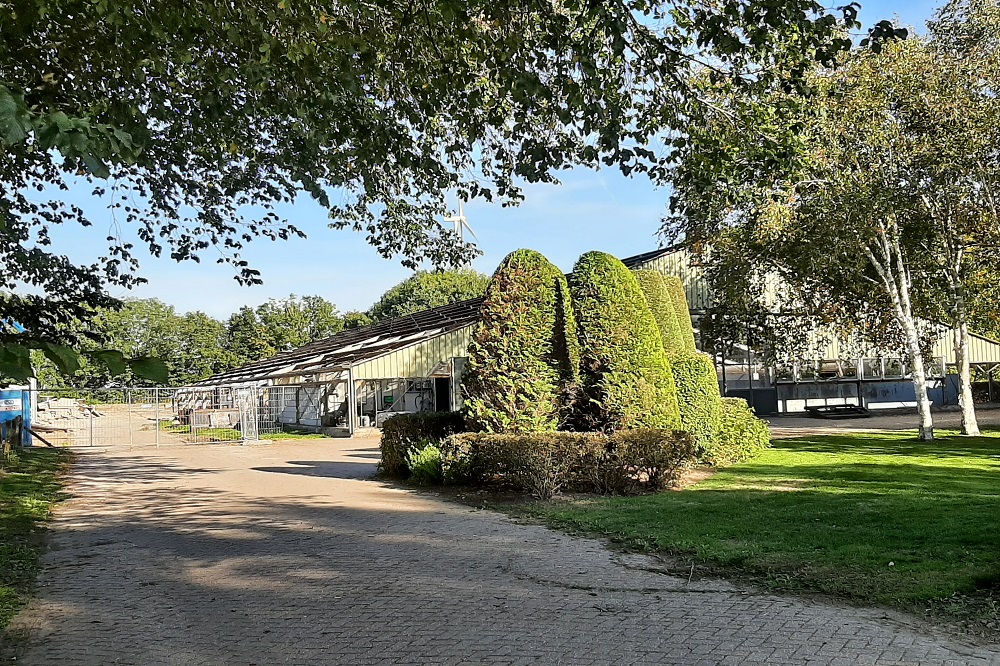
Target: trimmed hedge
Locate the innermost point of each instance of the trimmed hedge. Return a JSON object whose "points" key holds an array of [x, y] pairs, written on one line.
{"points": [[681, 311], [698, 396], [524, 352], [661, 305], [627, 462], [741, 437], [401, 432], [625, 376]]}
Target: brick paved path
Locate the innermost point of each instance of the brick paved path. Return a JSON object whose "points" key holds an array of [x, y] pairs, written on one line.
{"points": [[284, 555]]}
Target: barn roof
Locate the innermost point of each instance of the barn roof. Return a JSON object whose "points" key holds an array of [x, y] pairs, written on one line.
{"points": [[644, 258], [357, 345]]}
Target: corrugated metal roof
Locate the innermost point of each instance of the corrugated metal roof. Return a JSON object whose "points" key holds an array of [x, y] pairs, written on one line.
{"points": [[357, 345], [639, 260]]}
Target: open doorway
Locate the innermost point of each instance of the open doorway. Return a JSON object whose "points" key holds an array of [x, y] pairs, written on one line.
{"points": [[442, 394]]}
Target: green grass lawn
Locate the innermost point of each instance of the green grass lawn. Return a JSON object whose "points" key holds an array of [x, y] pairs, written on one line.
{"points": [[231, 434], [28, 488], [878, 519], [205, 434], [295, 434]]}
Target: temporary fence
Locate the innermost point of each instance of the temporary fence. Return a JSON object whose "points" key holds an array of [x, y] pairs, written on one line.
{"points": [[156, 416]]}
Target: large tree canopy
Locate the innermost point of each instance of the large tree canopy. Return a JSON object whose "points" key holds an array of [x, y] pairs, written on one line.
{"points": [[428, 289], [886, 208], [194, 345], [193, 120], [280, 325]]}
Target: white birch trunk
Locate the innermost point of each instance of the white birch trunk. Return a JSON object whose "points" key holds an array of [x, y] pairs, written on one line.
{"points": [[954, 254], [918, 374], [970, 425], [890, 264], [960, 324]]}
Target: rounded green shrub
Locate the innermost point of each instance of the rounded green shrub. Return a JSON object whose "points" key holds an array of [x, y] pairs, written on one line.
{"points": [[625, 377], [524, 353], [698, 396], [681, 311], [741, 436], [425, 464], [661, 305], [403, 431]]}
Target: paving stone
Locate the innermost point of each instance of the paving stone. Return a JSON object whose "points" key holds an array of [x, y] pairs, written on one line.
{"points": [[280, 554]]}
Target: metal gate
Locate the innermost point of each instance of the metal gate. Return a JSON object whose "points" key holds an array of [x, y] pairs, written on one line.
{"points": [[155, 416]]}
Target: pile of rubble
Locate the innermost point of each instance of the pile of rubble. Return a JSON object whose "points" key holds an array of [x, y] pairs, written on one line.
{"points": [[53, 413]]}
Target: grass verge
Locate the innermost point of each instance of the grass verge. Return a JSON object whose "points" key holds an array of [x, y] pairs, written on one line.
{"points": [[295, 434], [29, 486], [876, 519], [232, 434]]}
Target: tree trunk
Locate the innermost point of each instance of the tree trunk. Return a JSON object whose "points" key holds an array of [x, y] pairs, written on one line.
{"points": [[886, 256], [970, 426], [919, 376], [960, 325]]}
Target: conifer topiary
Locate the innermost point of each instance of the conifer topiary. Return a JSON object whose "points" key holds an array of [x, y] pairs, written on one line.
{"points": [[698, 396], [694, 373], [661, 305], [681, 310], [625, 376], [524, 352]]}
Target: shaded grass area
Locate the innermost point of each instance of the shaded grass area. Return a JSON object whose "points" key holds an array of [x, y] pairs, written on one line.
{"points": [[29, 486], [295, 434], [232, 434], [221, 434], [878, 519]]}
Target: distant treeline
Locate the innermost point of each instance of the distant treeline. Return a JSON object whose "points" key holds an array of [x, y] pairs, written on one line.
{"points": [[195, 345]]}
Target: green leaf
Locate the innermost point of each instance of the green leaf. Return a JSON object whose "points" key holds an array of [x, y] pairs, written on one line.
{"points": [[15, 362], [148, 367], [66, 359], [96, 166], [114, 360]]}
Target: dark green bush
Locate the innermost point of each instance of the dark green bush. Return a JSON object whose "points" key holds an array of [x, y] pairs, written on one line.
{"points": [[681, 311], [626, 462], [424, 463], [698, 396], [401, 432], [524, 352], [625, 376], [661, 305], [741, 436], [653, 458]]}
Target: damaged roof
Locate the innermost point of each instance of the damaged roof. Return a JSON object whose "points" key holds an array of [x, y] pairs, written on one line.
{"points": [[356, 345]]}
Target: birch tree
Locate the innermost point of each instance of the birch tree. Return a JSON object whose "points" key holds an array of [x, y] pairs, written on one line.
{"points": [[837, 223], [893, 186]]}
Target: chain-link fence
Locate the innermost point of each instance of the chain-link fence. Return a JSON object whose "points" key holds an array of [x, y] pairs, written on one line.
{"points": [[156, 416]]}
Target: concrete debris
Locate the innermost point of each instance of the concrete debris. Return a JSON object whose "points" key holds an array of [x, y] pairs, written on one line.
{"points": [[53, 410]]}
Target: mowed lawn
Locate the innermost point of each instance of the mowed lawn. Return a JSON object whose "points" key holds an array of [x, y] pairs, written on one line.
{"points": [[879, 519], [29, 486]]}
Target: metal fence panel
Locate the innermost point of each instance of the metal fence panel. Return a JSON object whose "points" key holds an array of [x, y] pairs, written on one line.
{"points": [[137, 417]]}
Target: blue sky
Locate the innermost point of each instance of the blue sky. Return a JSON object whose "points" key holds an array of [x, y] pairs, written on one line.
{"points": [[590, 210]]}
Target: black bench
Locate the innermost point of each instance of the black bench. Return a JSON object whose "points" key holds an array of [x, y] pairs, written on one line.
{"points": [[838, 412]]}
